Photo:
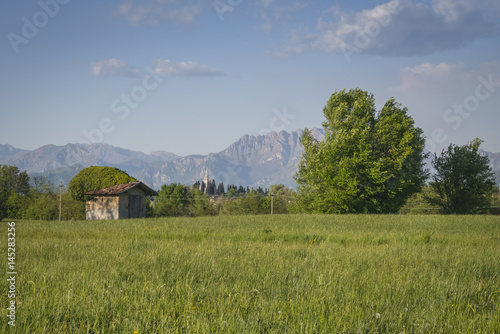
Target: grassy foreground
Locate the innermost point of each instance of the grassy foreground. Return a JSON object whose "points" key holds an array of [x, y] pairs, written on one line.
{"points": [[258, 274]]}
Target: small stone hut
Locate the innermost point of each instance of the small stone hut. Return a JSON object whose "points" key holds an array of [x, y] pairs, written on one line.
{"points": [[122, 201]]}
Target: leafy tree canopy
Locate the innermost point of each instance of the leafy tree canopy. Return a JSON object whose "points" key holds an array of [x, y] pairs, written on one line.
{"points": [[464, 182], [95, 178], [231, 193], [13, 180], [176, 199], [13, 184], [369, 162]]}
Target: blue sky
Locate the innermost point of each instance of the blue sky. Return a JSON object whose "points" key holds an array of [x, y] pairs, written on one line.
{"points": [[191, 77]]}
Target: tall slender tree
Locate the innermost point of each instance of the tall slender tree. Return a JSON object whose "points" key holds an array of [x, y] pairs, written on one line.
{"points": [[220, 189]]}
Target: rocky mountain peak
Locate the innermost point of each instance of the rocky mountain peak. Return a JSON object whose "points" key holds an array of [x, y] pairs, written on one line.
{"points": [[254, 161]]}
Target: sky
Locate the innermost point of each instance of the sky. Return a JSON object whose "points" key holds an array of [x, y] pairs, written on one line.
{"points": [[193, 76]]}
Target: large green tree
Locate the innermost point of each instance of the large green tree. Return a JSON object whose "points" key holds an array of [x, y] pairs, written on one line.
{"points": [[369, 162], [464, 182], [173, 200], [95, 178], [14, 187], [176, 199]]}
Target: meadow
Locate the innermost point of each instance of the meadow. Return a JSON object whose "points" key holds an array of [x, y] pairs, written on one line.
{"points": [[258, 274]]}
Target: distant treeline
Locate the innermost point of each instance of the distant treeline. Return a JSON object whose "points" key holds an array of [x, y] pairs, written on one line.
{"points": [[232, 189], [22, 197], [179, 200]]}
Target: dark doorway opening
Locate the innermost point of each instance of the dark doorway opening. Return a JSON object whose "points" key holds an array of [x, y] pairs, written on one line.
{"points": [[134, 206]]}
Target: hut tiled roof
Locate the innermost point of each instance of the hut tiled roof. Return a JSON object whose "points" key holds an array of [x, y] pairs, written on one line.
{"points": [[121, 188]]}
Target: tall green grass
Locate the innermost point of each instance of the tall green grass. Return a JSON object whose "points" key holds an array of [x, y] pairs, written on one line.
{"points": [[258, 274]]}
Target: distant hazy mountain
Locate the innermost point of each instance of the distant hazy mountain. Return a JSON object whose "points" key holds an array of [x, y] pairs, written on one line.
{"points": [[10, 152], [51, 157], [251, 161], [494, 159]]}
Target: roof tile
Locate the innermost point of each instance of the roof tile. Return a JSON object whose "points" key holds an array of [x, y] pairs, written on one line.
{"points": [[121, 188]]}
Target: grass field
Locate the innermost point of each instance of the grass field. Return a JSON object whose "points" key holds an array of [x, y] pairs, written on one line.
{"points": [[258, 274]]}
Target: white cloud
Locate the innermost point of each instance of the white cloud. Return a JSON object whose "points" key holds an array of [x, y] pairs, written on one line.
{"points": [[153, 13], [435, 71], [167, 67], [444, 78], [285, 12], [113, 67], [300, 41], [451, 10], [267, 3], [185, 15], [266, 26], [402, 28], [452, 102], [136, 15]]}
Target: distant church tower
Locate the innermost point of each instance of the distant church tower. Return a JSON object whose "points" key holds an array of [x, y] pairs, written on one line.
{"points": [[205, 180]]}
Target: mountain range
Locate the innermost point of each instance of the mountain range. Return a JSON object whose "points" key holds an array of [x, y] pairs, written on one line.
{"points": [[254, 161]]}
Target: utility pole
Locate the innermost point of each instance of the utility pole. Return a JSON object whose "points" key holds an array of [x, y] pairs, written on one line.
{"points": [[60, 199], [272, 204]]}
